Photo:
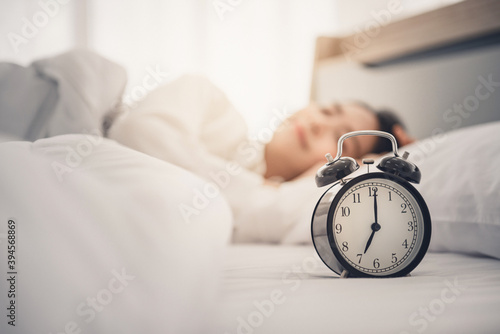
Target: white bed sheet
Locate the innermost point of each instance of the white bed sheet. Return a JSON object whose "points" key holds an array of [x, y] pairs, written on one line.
{"points": [[287, 289]]}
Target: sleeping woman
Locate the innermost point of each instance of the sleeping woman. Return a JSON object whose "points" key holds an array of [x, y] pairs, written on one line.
{"points": [[269, 186]]}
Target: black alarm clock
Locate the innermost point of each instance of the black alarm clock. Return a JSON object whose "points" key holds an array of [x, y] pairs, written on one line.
{"points": [[375, 224]]}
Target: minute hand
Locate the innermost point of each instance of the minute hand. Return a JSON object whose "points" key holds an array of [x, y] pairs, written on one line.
{"points": [[375, 226]]}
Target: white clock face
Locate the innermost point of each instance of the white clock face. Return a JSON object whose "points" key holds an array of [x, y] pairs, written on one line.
{"points": [[377, 226]]}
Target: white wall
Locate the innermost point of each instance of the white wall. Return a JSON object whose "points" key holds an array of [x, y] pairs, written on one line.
{"points": [[32, 29], [259, 52]]}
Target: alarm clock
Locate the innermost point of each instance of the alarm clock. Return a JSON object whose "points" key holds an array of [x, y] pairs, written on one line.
{"points": [[374, 224]]}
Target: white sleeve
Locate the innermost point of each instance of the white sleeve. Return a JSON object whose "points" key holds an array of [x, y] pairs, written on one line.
{"points": [[278, 215]]}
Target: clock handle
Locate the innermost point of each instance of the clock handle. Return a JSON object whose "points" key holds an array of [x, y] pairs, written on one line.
{"points": [[339, 167], [366, 133]]}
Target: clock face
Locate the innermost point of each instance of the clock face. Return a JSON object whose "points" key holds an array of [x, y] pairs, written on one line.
{"points": [[378, 225]]}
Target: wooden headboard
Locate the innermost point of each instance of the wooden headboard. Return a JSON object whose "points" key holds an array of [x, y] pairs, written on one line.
{"points": [[439, 70]]}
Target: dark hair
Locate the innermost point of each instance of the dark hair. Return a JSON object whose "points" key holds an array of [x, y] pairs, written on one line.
{"points": [[386, 120]]}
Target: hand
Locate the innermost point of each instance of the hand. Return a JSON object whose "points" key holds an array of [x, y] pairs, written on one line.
{"points": [[402, 136], [311, 172]]}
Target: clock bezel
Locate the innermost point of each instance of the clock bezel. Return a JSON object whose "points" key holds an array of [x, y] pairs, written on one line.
{"points": [[427, 225]]}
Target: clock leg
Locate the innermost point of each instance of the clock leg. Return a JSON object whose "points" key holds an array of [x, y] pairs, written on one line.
{"points": [[344, 274]]}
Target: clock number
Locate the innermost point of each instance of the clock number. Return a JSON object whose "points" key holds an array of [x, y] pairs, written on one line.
{"points": [[410, 226], [345, 246], [360, 256], [390, 198], [355, 198], [338, 228], [403, 206], [372, 191], [394, 258], [405, 243], [376, 264], [346, 211]]}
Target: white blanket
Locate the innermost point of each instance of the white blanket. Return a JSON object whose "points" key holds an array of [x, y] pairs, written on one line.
{"points": [[191, 123], [100, 243]]}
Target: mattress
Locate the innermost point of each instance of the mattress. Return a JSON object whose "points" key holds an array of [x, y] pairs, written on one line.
{"points": [[287, 289]]}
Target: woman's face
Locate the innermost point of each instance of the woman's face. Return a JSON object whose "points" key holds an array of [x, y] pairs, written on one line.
{"points": [[305, 137]]}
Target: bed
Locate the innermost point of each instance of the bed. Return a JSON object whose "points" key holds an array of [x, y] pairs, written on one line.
{"points": [[102, 244], [287, 289]]}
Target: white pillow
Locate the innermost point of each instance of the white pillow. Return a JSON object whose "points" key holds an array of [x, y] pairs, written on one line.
{"points": [[102, 245], [461, 186], [88, 86]]}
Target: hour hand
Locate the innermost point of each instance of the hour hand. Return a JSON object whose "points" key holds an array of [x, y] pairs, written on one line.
{"points": [[369, 241], [375, 228]]}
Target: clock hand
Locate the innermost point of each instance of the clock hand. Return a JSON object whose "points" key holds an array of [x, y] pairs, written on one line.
{"points": [[369, 240], [375, 226]]}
